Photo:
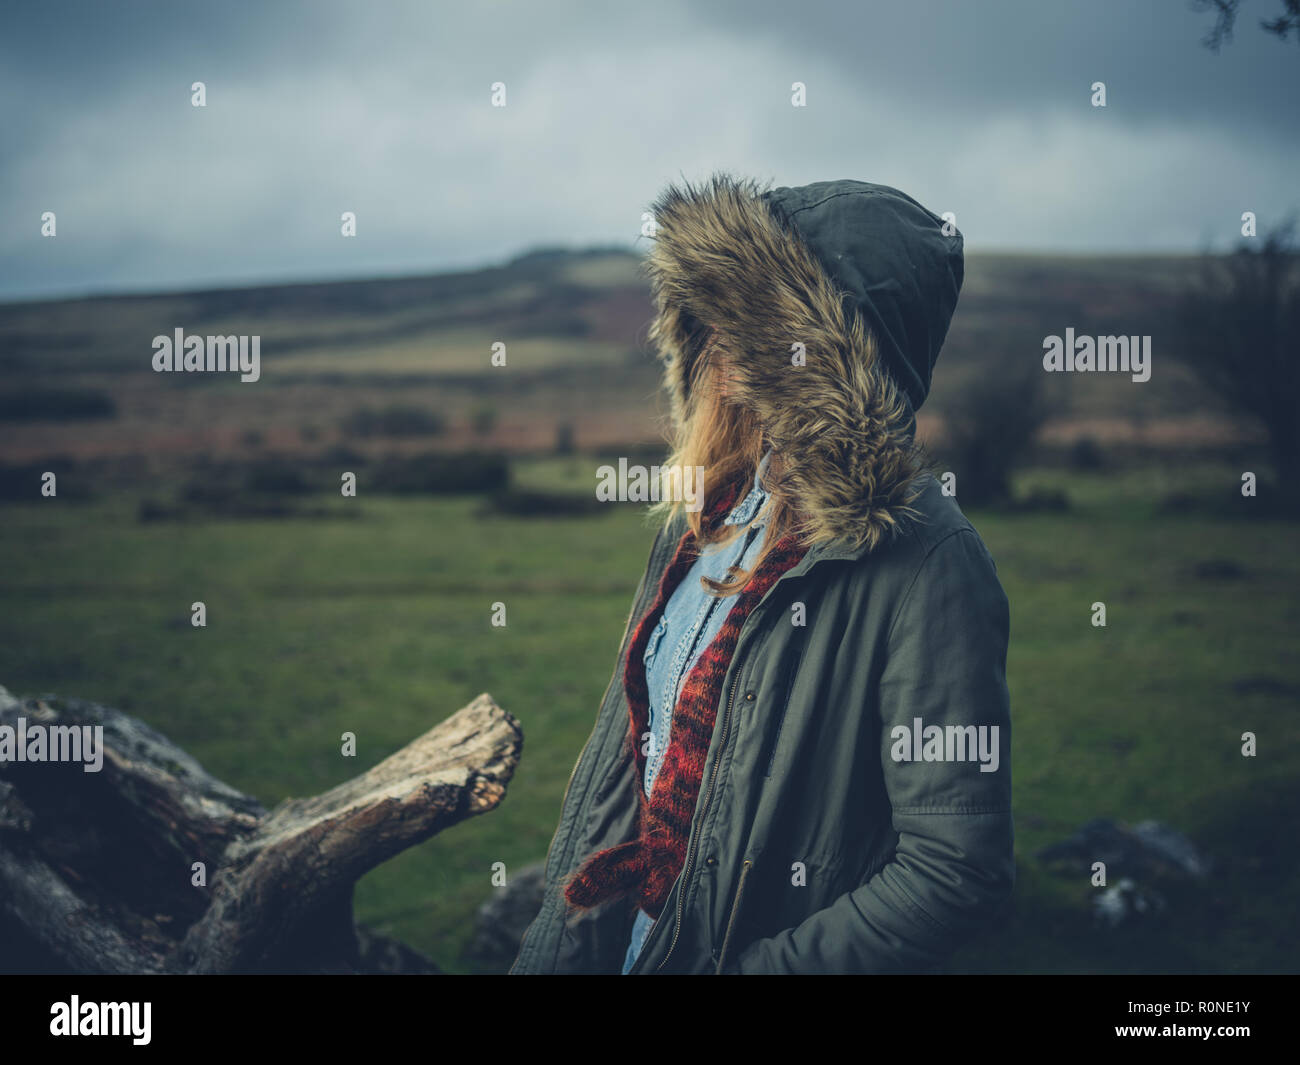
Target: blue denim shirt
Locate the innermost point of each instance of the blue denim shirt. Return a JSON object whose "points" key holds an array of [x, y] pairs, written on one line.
{"points": [[690, 621]]}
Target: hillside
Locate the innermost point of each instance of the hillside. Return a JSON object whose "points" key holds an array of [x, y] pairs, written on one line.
{"points": [[574, 325]]}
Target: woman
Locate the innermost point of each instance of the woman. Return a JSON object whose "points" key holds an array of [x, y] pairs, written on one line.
{"points": [[801, 763]]}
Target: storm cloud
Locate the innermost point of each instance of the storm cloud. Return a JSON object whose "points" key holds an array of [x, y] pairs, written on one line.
{"points": [[383, 109]]}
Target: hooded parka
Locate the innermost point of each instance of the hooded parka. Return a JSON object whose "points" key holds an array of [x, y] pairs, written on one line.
{"points": [[855, 809]]}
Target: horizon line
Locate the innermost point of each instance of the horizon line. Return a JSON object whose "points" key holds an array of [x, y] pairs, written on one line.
{"points": [[298, 281]]}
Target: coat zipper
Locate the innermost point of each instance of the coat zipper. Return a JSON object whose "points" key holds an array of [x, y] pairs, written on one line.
{"points": [[708, 797], [731, 921], [690, 854], [704, 813]]}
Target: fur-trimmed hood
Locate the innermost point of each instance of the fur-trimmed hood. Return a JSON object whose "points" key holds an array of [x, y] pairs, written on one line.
{"points": [[864, 278]]}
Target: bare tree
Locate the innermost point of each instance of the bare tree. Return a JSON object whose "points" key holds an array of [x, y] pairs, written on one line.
{"points": [[1238, 329], [1225, 18], [989, 427]]}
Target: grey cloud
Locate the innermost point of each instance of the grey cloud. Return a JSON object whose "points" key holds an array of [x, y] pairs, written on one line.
{"points": [[383, 109]]}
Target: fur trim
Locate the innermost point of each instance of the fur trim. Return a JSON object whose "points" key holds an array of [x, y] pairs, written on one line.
{"points": [[724, 259]]}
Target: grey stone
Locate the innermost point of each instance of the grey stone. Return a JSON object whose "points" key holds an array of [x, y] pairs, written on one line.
{"points": [[503, 919]]}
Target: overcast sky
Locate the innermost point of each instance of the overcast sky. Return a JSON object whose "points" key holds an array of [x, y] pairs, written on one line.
{"points": [[383, 108]]}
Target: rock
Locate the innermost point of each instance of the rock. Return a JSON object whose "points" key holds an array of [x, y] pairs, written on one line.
{"points": [[1124, 902], [1148, 856], [384, 956], [1146, 851], [504, 918], [1173, 847]]}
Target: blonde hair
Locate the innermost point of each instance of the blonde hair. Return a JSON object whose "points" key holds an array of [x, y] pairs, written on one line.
{"points": [[723, 438]]}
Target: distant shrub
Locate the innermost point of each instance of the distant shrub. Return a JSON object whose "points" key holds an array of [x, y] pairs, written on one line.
{"points": [[1218, 569], [1178, 503], [1225, 500], [342, 455], [558, 323], [564, 438], [210, 490], [990, 426], [438, 473], [1235, 325], [55, 404], [22, 483], [527, 503], [19, 484], [394, 421], [483, 420], [1042, 499], [151, 510], [278, 478], [647, 453], [240, 508], [235, 506], [1086, 454]]}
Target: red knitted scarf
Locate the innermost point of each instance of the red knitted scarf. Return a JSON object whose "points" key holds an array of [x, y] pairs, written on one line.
{"points": [[648, 865]]}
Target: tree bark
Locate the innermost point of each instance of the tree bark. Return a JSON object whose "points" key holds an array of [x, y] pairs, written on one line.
{"points": [[96, 868]]}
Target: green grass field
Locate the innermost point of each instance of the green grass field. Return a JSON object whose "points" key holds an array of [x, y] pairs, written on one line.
{"points": [[381, 626]]}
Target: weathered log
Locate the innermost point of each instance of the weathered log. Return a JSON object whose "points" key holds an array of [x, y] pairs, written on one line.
{"points": [[96, 867]]}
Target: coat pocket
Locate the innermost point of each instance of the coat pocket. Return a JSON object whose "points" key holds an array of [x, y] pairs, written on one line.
{"points": [[787, 692]]}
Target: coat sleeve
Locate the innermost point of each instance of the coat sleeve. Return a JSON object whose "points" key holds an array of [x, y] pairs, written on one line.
{"points": [[954, 863]]}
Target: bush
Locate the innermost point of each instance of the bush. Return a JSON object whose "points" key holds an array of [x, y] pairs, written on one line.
{"points": [[151, 510], [438, 473], [483, 420], [990, 429], [526, 503], [394, 421], [210, 489], [279, 479], [342, 455], [564, 438], [55, 404], [1086, 454], [1043, 499], [1236, 325], [22, 483]]}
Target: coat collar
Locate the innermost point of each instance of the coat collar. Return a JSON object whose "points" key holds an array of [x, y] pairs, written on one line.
{"points": [[725, 259], [746, 512]]}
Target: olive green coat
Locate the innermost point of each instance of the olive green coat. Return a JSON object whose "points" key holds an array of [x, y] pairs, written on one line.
{"points": [[848, 819]]}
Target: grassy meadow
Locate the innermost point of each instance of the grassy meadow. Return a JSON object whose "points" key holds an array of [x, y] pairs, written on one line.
{"points": [[379, 624], [372, 615]]}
